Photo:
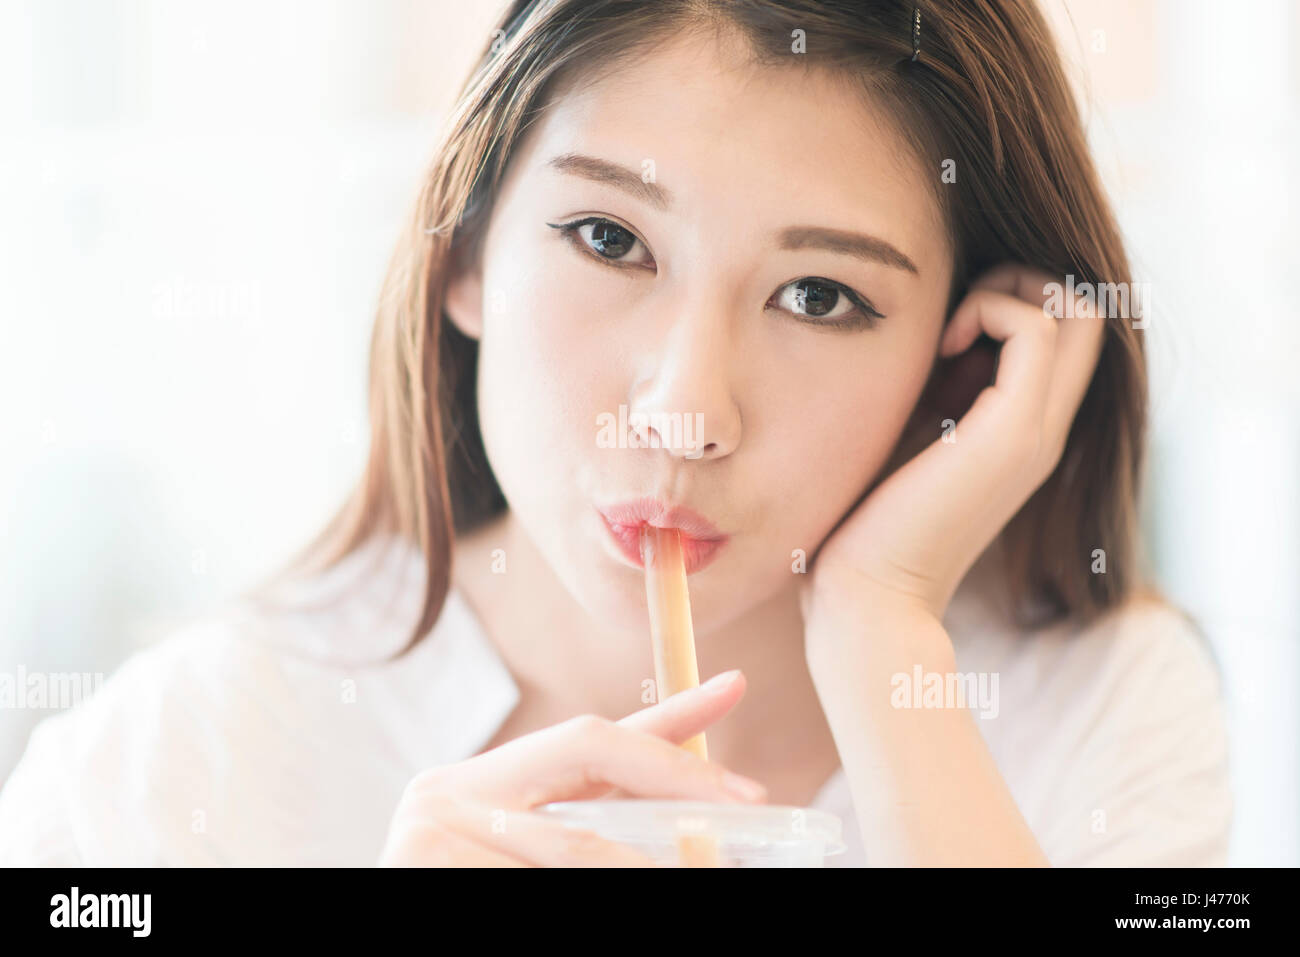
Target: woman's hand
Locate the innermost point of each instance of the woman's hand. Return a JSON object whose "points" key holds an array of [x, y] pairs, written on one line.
{"points": [[919, 531], [476, 813], [926, 789]]}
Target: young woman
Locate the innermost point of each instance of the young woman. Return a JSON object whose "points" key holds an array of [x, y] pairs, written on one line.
{"points": [[827, 233]]}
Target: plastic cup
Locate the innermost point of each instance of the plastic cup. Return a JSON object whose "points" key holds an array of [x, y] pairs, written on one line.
{"points": [[760, 835]]}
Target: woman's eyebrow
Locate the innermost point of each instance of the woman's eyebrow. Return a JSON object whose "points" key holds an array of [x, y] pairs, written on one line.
{"points": [[612, 174], [860, 245], [840, 241]]}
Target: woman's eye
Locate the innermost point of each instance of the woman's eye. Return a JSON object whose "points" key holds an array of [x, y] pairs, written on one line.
{"points": [[823, 302], [812, 300], [604, 239]]}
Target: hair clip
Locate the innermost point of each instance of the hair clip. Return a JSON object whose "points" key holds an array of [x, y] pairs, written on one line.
{"points": [[916, 32]]}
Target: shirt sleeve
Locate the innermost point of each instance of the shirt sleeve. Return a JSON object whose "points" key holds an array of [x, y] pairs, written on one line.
{"points": [[1149, 785], [137, 775], [35, 828], [89, 787]]}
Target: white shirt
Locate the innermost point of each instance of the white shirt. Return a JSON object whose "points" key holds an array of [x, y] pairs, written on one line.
{"points": [[229, 744]]}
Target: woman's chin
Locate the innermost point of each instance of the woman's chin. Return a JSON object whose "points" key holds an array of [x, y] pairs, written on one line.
{"points": [[613, 596], [615, 593]]}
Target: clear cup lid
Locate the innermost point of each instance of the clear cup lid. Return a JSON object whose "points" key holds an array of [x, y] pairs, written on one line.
{"points": [[658, 821]]}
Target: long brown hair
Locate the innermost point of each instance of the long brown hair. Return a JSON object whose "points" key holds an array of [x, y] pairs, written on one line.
{"points": [[987, 91]]}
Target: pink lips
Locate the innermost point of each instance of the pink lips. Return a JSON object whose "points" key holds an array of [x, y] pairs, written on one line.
{"points": [[701, 541]]}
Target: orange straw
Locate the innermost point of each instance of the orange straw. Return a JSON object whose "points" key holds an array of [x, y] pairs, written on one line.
{"points": [[673, 640], [671, 633]]}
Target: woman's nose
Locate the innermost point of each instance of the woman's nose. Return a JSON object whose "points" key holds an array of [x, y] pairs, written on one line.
{"points": [[684, 401]]}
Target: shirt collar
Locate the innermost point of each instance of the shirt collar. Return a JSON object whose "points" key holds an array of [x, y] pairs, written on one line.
{"points": [[472, 691], [359, 613]]}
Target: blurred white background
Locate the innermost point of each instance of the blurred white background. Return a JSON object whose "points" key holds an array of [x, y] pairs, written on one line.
{"points": [[197, 201]]}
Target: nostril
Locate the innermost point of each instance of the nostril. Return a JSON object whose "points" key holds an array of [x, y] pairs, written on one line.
{"points": [[648, 436], [677, 431]]}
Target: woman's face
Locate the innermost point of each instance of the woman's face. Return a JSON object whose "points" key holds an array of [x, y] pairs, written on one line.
{"points": [[749, 225]]}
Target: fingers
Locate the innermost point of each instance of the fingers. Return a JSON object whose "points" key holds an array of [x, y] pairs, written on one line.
{"points": [[490, 836], [680, 717], [430, 843], [1078, 348], [1024, 282], [1028, 337], [476, 812], [586, 756], [1081, 328], [1048, 360]]}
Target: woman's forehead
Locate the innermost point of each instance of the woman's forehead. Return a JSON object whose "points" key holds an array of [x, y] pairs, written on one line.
{"points": [[718, 134]]}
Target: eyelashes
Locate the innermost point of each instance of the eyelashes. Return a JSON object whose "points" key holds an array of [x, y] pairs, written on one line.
{"points": [[610, 243], [606, 236], [823, 296]]}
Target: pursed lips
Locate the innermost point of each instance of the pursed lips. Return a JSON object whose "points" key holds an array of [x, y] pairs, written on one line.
{"points": [[701, 540]]}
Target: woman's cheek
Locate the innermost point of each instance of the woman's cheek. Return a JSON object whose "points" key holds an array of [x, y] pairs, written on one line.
{"points": [[839, 444], [537, 373]]}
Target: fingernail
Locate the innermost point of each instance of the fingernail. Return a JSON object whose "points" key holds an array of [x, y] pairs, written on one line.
{"points": [[743, 788], [722, 681]]}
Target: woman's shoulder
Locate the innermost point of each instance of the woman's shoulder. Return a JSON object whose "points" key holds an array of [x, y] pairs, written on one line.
{"points": [[1145, 630], [163, 681], [1113, 735], [1148, 631], [234, 738], [1151, 651], [1147, 635], [256, 732], [1142, 661], [1150, 614], [157, 729]]}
